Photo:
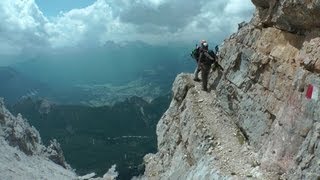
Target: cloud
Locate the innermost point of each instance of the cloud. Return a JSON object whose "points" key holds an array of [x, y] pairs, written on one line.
{"points": [[238, 7], [24, 28], [82, 25], [173, 15]]}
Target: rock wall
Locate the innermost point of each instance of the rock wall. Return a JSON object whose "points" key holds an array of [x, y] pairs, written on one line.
{"points": [[198, 140], [257, 116], [22, 154], [289, 15]]}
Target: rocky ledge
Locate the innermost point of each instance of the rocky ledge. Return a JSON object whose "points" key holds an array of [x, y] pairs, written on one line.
{"points": [[261, 119]]}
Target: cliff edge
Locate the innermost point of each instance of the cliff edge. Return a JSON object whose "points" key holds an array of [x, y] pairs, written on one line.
{"points": [[23, 156], [261, 119]]}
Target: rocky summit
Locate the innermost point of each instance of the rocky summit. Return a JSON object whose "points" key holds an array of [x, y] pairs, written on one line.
{"points": [[261, 119]]}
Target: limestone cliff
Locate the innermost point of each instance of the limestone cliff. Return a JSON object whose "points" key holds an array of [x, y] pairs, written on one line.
{"points": [[23, 156], [256, 122]]}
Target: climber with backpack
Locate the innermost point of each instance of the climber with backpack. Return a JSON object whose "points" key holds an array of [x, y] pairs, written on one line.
{"points": [[195, 54], [205, 59]]}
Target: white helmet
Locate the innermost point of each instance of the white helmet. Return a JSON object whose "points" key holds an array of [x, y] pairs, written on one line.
{"points": [[203, 41]]}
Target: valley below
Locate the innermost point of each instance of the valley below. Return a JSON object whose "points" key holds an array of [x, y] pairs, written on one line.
{"points": [[95, 138]]}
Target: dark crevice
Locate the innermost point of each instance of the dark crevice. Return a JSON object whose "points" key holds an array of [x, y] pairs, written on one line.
{"points": [[237, 62], [216, 81], [244, 133], [2, 118], [273, 117], [259, 72]]}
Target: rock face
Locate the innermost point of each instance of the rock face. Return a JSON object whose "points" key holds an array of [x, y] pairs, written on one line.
{"points": [[256, 121], [22, 154], [198, 140], [288, 15]]}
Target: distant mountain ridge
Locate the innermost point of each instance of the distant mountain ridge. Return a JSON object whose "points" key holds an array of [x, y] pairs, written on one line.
{"points": [[108, 74], [112, 63]]}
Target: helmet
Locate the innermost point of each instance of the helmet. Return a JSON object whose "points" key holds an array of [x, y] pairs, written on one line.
{"points": [[203, 41]]}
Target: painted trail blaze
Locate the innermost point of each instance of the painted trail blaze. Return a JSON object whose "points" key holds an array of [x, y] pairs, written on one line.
{"points": [[312, 92]]}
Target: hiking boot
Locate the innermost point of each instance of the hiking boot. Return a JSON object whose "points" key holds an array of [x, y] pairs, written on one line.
{"points": [[196, 79]]}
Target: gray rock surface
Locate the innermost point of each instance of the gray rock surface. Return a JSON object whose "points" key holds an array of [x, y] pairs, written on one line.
{"points": [[23, 156], [289, 15], [256, 122], [17, 165], [198, 140]]}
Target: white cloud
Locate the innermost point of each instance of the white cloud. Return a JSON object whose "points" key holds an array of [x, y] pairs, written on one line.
{"points": [[237, 7], [24, 27], [21, 26], [81, 25], [155, 2]]}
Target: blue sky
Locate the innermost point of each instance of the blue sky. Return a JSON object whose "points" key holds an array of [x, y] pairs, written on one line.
{"points": [[52, 8], [33, 26]]}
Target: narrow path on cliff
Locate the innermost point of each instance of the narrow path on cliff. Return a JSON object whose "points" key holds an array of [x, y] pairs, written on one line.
{"points": [[232, 154]]}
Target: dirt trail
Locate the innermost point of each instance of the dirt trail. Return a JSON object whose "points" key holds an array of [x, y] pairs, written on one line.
{"points": [[232, 153]]}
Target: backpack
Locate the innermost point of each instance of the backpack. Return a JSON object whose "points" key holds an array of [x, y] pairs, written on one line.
{"points": [[212, 54], [195, 53]]}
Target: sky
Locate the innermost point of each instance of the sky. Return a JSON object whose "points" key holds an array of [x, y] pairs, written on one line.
{"points": [[31, 26], [52, 8]]}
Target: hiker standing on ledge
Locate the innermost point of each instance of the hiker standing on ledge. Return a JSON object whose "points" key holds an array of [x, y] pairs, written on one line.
{"points": [[205, 59], [204, 62], [196, 56]]}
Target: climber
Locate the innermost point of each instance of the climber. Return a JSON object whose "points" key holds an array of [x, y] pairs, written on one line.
{"points": [[196, 54], [205, 61]]}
